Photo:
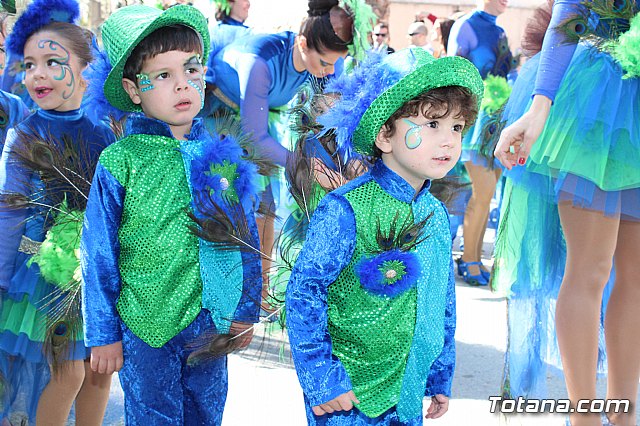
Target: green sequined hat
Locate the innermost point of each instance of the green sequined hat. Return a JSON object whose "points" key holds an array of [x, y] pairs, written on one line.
{"points": [[127, 27], [381, 84]]}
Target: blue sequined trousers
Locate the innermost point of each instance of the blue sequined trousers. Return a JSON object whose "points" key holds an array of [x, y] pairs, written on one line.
{"points": [[161, 389]]}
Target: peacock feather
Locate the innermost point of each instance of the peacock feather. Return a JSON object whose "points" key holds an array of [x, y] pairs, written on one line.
{"points": [[4, 118], [599, 23], [490, 134], [402, 234], [65, 169], [505, 61]]}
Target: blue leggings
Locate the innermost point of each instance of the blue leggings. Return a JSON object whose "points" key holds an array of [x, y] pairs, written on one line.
{"points": [[161, 389]]}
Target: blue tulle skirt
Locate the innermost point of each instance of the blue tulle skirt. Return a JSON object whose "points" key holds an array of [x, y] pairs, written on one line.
{"points": [[23, 364], [588, 154], [590, 146]]}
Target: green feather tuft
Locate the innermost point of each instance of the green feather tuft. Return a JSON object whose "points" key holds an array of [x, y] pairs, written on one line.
{"points": [[223, 5], [496, 93], [626, 50], [58, 255], [364, 19]]}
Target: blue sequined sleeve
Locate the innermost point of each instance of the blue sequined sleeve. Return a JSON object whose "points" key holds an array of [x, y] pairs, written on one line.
{"points": [[12, 179], [556, 50], [441, 374], [255, 81], [327, 250], [100, 249], [249, 304]]}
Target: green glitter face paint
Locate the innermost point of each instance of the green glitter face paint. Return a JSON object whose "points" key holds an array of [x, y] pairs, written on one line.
{"points": [[412, 138], [63, 62]]}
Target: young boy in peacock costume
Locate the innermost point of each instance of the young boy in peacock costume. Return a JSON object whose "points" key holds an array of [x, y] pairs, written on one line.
{"points": [[157, 291], [371, 300]]}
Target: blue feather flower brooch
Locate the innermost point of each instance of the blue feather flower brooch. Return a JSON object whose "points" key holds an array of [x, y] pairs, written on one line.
{"points": [[389, 273], [393, 267]]}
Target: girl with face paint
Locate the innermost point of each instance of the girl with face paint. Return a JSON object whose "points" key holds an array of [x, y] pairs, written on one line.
{"points": [[46, 364]]}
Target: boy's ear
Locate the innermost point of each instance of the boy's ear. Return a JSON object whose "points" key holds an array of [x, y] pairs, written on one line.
{"points": [[383, 143], [132, 90]]}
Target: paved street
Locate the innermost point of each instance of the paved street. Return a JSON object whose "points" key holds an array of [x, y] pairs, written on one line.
{"points": [[264, 389]]}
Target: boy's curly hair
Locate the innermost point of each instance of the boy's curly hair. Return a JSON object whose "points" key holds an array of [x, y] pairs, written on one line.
{"points": [[435, 103]]}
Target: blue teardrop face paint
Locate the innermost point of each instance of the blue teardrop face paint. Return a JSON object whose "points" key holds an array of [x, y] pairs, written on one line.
{"points": [[195, 72], [412, 138]]}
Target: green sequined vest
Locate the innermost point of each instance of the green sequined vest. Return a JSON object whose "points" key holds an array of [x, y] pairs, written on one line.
{"points": [[371, 335], [159, 264]]}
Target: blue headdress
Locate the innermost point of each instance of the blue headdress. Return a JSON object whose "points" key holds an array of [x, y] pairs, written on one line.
{"points": [[37, 15]]}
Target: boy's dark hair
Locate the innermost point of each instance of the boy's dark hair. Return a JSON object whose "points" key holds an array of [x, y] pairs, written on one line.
{"points": [[328, 27], [435, 103], [78, 39], [162, 40]]}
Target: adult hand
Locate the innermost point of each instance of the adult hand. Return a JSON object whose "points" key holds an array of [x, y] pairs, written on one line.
{"points": [[439, 406], [107, 359], [343, 402], [516, 141]]}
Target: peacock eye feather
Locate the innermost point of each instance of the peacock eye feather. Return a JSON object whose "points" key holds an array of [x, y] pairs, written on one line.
{"points": [[4, 119]]}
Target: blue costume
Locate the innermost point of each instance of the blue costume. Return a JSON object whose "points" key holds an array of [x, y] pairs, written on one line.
{"points": [[335, 350], [223, 33], [588, 155], [23, 313], [12, 83], [12, 112], [477, 37], [256, 74], [152, 284]]}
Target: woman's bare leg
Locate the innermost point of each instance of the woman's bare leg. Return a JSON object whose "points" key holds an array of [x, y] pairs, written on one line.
{"points": [[58, 396], [622, 324], [91, 402], [591, 242], [483, 185]]}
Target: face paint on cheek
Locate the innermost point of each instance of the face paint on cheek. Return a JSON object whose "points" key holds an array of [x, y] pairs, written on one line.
{"points": [[412, 138], [63, 61], [199, 85], [144, 82], [194, 66]]}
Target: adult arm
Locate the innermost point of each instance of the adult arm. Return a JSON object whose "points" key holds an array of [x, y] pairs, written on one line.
{"points": [[557, 51], [255, 81], [462, 40], [516, 141]]}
